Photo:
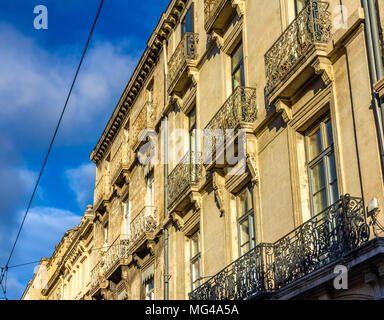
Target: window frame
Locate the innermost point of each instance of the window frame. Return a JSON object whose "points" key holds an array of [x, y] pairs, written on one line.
{"points": [[249, 216], [322, 157], [194, 259], [239, 66], [149, 294]]}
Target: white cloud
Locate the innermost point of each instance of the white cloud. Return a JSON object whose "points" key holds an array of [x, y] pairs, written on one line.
{"points": [[37, 82], [43, 229], [82, 180]]}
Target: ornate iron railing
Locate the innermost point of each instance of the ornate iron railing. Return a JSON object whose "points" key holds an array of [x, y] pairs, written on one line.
{"points": [[146, 221], [96, 275], [241, 106], [185, 51], [144, 121], [210, 10], [322, 240], [117, 251], [311, 26], [187, 172], [242, 279], [102, 189]]}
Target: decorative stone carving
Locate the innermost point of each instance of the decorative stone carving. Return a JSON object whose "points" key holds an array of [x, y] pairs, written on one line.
{"points": [[217, 37], [283, 107], [252, 166], [323, 68], [196, 200], [239, 5], [219, 189]]}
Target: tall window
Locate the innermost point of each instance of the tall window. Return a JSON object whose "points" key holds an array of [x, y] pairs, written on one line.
{"points": [[127, 216], [150, 189], [195, 260], [245, 221], [192, 130], [106, 237], [150, 289], [322, 166], [237, 62], [187, 22]]}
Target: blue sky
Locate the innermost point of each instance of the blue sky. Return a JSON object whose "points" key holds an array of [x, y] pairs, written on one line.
{"points": [[36, 70]]}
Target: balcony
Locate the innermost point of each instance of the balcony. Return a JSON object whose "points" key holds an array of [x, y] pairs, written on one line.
{"points": [[122, 160], [182, 63], [237, 111], [183, 180], [288, 61], [96, 276], [217, 14], [102, 191], [143, 124], [142, 227], [115, 256], [243, 279], [323, 240]]}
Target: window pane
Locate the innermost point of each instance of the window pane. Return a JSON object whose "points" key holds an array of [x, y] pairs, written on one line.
{"points": [[320, 201], [194, 245], [318, 177], [300, 4], [237, 57], [242, 204], [236, 79], [328, 133], [195, 274], [334, 192], [249, 200], [244, 232], [332, 167], [314, 144], [192, 119]]}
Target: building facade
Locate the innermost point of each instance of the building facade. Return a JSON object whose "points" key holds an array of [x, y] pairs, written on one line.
{"points": [[244, 159]]}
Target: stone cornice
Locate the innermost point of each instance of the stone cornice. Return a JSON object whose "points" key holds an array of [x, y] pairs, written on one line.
{"points": [[168, 21]]}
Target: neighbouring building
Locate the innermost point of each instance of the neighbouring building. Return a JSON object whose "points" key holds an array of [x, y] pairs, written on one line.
{"points": [[244, 160]]}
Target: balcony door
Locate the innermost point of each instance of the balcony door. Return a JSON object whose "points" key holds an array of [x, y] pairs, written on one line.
{"points": [[245, 221], [187, 22], [127, 217], [322, 166], [150, 189], [192, 142], [237, 67]]}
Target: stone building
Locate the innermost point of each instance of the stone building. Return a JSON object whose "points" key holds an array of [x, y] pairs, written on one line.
{"points": [[245, 157], [66, 275]]}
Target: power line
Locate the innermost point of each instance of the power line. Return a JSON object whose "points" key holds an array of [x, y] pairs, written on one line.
{"points": [[59, 257], [52, 141]]}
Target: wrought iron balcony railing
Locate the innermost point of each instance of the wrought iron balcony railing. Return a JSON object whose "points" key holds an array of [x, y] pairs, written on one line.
{"points": [[145, 222], [116, 252], [322, 240], [187, 173], [186, 51], [246, 277], [102, 189], [143, 122], [240, 107], [311, 26], [96, 275]]}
